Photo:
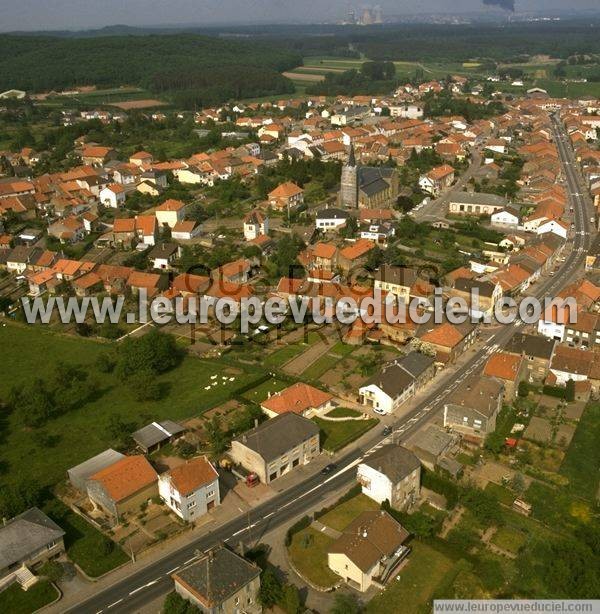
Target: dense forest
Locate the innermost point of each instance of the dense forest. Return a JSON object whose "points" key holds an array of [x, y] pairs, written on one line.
{"points": [[196, 70]]}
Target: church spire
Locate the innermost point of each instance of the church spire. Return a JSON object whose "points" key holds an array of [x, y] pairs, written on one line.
{"points": [[352, 157]]}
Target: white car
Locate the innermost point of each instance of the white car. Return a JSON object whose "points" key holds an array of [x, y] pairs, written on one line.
{"points": [[380, 411]]}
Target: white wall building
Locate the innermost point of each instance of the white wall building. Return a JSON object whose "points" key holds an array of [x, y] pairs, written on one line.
{"points": [[190, 490]]}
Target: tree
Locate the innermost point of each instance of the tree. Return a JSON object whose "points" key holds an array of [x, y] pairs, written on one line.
{"points": [[345, 604], [154, 352], [271, 589], [105, 363], [290, 600], [34, 402], [144, 386], [374, 260], [19, 496], [176, 604], [216, 436]]}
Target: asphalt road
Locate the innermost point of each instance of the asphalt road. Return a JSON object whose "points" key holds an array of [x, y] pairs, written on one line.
{"points": [[150, 582], [436, 209]]}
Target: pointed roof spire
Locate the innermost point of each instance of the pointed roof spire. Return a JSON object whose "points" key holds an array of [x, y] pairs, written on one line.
{"points": [[352, 158]]}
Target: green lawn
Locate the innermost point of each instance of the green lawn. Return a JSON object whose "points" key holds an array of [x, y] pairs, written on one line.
{"points": [[336, 435], [509, 539], [342, 349], [73, 437], [344, 513], [320, 366], [425, 570], [279, 357], [15, 600], [343, 412], [261, 392], [83, 542], [501, 493], [308, 553], [581, 464]]}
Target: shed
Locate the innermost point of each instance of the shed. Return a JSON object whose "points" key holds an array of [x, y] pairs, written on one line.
{"points": [[79, 475], [154, 435]]}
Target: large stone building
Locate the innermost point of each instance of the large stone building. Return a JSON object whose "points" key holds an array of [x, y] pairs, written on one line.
{"points": [[367, 187], [277, 446]]}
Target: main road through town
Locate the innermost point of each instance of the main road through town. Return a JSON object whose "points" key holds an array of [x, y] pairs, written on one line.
{"points": [[152, 580]]}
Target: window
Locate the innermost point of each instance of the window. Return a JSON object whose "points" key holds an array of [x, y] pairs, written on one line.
{"points": [[210, 493], [191, 505]]}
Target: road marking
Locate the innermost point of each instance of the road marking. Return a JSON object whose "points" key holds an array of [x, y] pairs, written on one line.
{"points": [[191, 560], [172, 570], [137, 590], [114, 604]]}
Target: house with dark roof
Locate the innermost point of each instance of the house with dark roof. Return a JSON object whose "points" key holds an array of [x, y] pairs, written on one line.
{"points": [[190, 489], [392, 474], [432, 445], [387, 390], [472, 408], [331, 218], [369, 550], [220, 581], [537, 352], [28, 539], [397, 381], [277, 446]]}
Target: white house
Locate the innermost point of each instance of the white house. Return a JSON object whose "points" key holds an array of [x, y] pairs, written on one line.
{"points": [[113, 195], [506, 218], [380, 233], [557, 227], [256, 223], [392, 474], [406, 111], [170, 212], [164, 255], [191, 489], [186, 230], [331, 218], [388, 390]]}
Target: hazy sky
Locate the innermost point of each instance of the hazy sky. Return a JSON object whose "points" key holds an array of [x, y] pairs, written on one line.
{"points": [[77, 14]]}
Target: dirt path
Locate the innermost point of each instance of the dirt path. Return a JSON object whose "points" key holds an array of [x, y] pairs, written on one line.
{"points": [[452, 521]]}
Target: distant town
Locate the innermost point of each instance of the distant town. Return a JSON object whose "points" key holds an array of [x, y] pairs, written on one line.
{"points": [[302, 465]]}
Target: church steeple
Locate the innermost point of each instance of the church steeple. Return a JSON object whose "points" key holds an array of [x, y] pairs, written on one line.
{"points": [[348, 196], [352, 157]]}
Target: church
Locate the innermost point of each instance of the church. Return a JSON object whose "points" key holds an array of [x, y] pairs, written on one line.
{"points": [[367, 187]]}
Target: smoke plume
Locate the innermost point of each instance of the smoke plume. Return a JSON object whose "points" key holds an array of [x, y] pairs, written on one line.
{"points": [[507, 5]]}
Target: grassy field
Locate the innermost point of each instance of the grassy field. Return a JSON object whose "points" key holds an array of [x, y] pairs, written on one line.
{"points": [[503, 495], [83, 541], [261, 392], [75, 436], [425, 570], [279, 357], [320, 366], [509, 539], [582, 460], [17, 601], [344, 513], [336, 435], [308, 553]]}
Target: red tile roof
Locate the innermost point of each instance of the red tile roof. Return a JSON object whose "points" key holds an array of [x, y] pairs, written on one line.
{"points": [[192, 475], [126, 477], [297, 398]]}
